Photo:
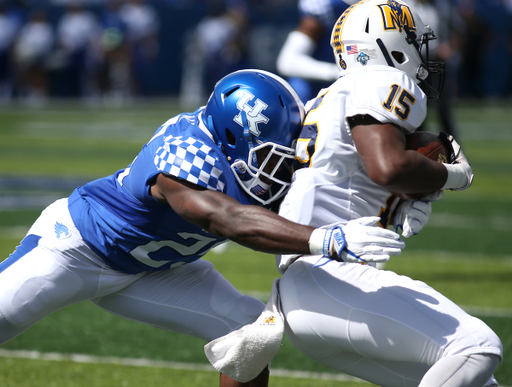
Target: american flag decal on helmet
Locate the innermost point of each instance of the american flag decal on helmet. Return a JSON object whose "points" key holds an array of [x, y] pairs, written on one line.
{"points": [[258, 190]]}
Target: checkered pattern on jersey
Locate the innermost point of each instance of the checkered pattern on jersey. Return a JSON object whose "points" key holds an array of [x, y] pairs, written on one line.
{"points": [[190, 159]]}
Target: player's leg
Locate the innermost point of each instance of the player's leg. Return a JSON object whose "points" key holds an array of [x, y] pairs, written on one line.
{"points": [[32, 287], [322, 326], [52, 268], [259, 381], [374, 324], [192, 299], [461, 371]]}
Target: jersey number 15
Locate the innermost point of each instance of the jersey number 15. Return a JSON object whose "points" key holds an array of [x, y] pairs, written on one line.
{"points": [[401, 105]]}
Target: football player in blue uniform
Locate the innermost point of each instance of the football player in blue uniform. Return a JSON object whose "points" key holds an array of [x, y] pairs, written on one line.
{"points": [[132, 242]]}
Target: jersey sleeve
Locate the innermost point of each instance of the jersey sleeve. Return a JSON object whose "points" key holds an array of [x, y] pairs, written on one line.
{"points": [[389, 97], [191, 160]]}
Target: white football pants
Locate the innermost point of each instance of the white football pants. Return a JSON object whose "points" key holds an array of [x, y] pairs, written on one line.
{"points": [[384, 328], [192, 299]]}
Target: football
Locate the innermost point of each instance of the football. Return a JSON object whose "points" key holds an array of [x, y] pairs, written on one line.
{"points": [[430, 145]]}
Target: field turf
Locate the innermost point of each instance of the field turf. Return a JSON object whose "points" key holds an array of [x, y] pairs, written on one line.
{"points": [[464, 251]]}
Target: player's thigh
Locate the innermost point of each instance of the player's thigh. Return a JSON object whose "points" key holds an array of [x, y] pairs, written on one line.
{"points": [[360, 309], [192, 299], [52, 268], [374, 324], [34, 285]]}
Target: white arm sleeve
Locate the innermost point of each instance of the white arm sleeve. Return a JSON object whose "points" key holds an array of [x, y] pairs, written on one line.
{"points": [[295, 60]]}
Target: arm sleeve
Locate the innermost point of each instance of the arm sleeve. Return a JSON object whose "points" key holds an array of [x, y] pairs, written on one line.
{"points": [[295, 60]]}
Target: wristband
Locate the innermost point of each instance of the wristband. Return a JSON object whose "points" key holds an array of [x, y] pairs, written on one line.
{"points": [[320, 242], [457, 177]]}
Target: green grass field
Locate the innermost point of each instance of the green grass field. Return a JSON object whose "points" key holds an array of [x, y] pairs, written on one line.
{"points": [[464, 251]]}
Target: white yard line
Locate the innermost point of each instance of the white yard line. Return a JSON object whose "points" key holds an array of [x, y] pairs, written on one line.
{"points": [[81, 358]]}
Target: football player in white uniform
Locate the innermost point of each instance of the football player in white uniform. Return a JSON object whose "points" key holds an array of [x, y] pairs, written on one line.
{"points": [[132, 242], [374, 324]]}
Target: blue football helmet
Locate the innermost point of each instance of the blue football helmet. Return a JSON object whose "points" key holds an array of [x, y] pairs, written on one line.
{"points": [[255, 117]]}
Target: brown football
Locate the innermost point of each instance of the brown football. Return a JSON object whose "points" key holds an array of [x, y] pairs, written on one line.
{"points": [[432, 146]]}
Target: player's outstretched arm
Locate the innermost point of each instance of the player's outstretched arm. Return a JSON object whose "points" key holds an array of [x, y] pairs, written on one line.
{"points": [[263, 230], [219, 214]]}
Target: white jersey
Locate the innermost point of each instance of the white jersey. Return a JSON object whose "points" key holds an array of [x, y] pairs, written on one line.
{"points": [[332, 185]]}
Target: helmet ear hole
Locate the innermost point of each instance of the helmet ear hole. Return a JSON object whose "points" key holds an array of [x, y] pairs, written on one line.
{"points": [[281, 100], [398, 56], [230, 137], [231, 91]]}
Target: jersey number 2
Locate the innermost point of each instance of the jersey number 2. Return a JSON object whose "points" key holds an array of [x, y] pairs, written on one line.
{"points": [[141, 253]]}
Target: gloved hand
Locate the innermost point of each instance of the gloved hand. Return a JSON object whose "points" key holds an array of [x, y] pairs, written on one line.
{"points": [[411, 216], [357, 241], [460, 173]]}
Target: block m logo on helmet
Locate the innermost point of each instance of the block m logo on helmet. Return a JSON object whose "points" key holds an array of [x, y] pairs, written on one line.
{"points": [[253, 114], [397, 16]]}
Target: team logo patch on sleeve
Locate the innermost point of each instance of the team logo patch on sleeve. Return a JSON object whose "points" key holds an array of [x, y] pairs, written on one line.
{"points": [[190, 160], [61, 231]]}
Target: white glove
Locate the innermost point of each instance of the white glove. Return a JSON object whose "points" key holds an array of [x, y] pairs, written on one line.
{"points": [[433, 196], [460, 174], [357, 241], [411, 216]]}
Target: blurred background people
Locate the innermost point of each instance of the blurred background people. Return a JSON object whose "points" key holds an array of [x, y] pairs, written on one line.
{"points": [[439, 15], [8, 29], [306, 58], [114, 69], [215, 48], [123, 49], [486, 48], [78, 34], [142, 34], [32, 50]]}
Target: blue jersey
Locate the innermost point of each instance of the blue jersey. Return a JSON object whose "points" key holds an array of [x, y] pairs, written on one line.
{"points": [[132, 231]]}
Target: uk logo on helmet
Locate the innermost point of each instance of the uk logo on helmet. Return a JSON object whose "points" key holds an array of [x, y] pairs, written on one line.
{"points": [[253, 114]]}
